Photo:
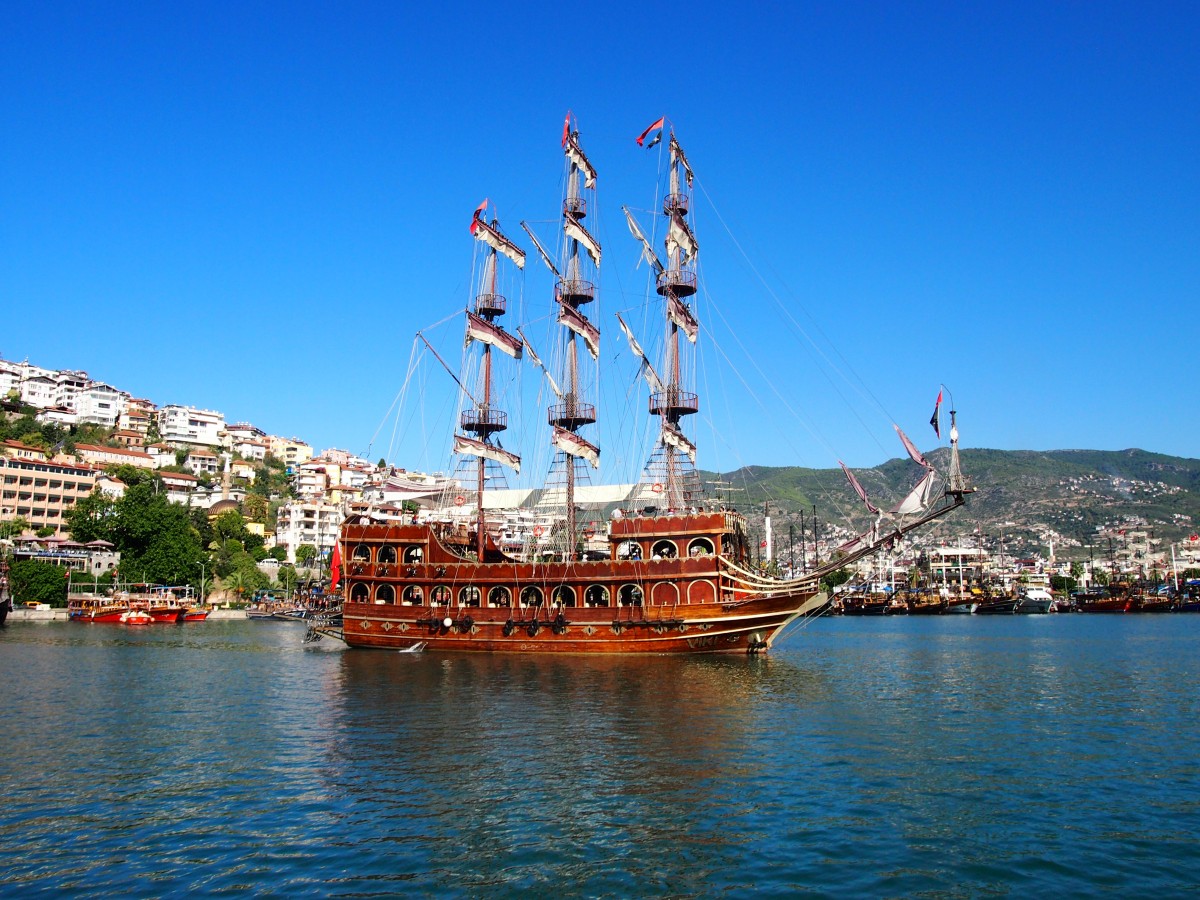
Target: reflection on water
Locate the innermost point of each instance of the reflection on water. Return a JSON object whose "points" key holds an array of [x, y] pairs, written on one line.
{"points": [[952, 755]]}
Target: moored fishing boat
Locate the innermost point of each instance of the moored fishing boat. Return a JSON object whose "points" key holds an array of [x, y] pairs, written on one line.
{"points": [[97, 609], [666, 572]]}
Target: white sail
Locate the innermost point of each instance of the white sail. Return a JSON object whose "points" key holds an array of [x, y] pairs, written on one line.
{"points": [[918, 498], [673, 437], [537, 361], [473, 447], [578, 323], [497, 241], [541, 250], [678, 312], [648, 372], [575, 230], [648, 253], [480, 329], [570, 442], [679, 236], [575, 155]]}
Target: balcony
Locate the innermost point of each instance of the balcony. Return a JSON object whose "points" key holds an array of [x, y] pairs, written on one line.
{"points": [[673, 403], [680, 282], [489, 305], [572, 414], [575, 292], [575, 206], [483, 421], [675, 203]]}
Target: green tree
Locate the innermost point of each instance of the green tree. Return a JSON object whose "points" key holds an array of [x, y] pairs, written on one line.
{"points": [[834, 578], [304, 553], [38, 582], [91, 518], [13, 527]]}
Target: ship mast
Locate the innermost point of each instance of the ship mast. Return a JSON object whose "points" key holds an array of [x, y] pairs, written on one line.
{"points": [[574, 289], [483, 420], [675, 454]]}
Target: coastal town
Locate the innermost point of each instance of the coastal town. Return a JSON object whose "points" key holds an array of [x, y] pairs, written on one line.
{"points": [[203, 462]]}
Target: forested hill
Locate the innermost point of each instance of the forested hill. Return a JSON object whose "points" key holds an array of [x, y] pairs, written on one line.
{"points": [[1064, 493]]}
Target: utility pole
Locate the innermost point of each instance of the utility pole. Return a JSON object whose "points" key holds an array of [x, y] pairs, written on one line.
{"points": [[816, 540]]}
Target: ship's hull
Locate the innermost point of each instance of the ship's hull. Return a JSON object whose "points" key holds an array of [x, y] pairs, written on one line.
{"points": [[707, 628], [105, 614]]}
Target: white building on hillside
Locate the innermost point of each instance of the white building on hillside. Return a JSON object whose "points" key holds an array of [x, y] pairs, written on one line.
{"points": [[100, 404], [308, 523], [189, 426], [40, 391]]}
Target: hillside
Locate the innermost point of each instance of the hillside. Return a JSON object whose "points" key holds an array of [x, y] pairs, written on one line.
{"points": [[1029, 497]]}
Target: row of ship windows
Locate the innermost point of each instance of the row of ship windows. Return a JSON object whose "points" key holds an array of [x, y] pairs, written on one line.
{"points": [[531, 595], [663, 549]]}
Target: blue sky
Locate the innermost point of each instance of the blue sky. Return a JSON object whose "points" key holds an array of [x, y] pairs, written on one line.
{"points": [[253, 207]]}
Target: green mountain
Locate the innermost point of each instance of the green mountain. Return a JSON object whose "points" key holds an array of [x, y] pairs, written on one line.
{"points": [[1028, 497]]}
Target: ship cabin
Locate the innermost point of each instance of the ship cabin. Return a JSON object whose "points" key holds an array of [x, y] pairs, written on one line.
{"points": [[667, 559]]}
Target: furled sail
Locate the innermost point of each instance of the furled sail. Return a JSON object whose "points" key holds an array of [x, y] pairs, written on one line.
{"points": [[679, 236], [537, 361], [678, 156], [494, 239], [673, 437], [858, 488], [570, 442], [575, 230], [480, 329], [911, 448], [473, 447], [578, 323], [648, 253], [648, 372], [919, 497], [678, 313], [575, 154], [541, 250]]}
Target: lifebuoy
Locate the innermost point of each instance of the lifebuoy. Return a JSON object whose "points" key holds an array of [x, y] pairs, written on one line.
{"points": [[460, 500], [537, 530], [656, 487]]}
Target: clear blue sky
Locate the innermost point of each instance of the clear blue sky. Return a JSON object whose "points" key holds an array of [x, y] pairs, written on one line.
{"points": [[252, 207]]}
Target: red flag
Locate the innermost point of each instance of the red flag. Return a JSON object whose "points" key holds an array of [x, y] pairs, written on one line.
{"points": [[936, 419], [566, 128], [335, 567], [658, 137], [475, 218]]}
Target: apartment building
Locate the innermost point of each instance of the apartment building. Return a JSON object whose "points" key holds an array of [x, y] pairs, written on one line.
{"points": [[291, 451], [97, 403], [312, 523], [137, 415], [113, 456], [40, 491], [187, 426]]}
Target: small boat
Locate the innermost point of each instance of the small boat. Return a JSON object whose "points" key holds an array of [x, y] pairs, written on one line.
{"points": [[1061, 605], [990, 603], [1101, 602], [136, 617], [1034, 600], [97, 609], [196, 613]]}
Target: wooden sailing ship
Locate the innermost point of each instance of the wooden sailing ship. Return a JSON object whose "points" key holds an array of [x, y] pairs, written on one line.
{"points": [[675, 577]]}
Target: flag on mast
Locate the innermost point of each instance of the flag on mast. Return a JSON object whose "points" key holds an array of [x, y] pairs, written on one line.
{"points": [[936, 419], [335, 566], [656, 127]]}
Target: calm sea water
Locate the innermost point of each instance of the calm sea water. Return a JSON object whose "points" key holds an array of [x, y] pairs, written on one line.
{"points": [[952, 756]]}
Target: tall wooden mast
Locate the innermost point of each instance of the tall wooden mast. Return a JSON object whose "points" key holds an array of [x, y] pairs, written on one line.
{"points": [[574, 289], [675, 454], [482, 420]]}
